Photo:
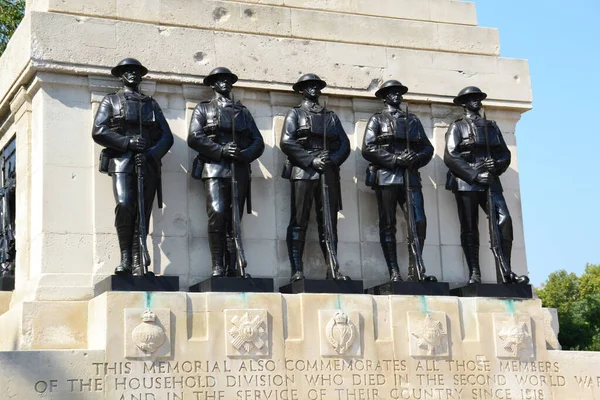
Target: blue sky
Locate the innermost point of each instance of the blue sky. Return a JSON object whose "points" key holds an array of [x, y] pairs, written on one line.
{"points": [[559, 140]]}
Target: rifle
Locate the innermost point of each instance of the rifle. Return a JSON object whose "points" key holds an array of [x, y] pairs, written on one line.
{"points": [[329, 238], [413, 237], [495, 245], [142, 228], [240, 256]]}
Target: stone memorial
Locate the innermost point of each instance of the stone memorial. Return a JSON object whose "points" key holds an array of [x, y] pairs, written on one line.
{"points": [[64, 335]]}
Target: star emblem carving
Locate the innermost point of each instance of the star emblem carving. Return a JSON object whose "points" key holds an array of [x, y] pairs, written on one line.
{"points": [[430, 335], [514, 335], [247, 333]]}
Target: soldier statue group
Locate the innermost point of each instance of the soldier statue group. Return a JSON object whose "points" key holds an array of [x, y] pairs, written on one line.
{"points": [[135, 136]]}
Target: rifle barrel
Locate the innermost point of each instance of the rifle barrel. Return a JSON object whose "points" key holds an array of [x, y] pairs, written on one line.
{"points": [[410, 213], [492, 219], [240, 256]]}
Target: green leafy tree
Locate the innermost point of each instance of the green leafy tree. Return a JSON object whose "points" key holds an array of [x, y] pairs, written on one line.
{"points": [[11, 14], [590, 280], [577, 300]]}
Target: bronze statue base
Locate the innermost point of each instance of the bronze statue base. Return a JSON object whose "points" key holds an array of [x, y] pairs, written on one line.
{"points": [[411, 289], [7, 283], [498, 290], [241, 285], [148, 283], [323, 286]]}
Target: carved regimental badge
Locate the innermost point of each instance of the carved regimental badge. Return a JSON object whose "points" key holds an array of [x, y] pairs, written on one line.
{"points": [[247, 332], [340, 333], [150, 337], [428, 334], [513, 335]]}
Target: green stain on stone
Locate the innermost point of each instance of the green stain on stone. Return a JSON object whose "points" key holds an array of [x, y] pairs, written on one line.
{"points": [[148, 299], [424, 306], [339, 302], [510, 306]]}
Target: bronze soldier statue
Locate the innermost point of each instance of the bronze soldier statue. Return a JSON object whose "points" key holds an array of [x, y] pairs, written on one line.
{"points": [[7, 211], [476, 155], [227, 139], [136, 136], [316, 145], [396, 147]]}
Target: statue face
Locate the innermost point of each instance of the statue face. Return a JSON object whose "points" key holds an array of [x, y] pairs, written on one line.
{"points": [[223, 85], [311, 91], [132, 77], [473, 103], [393, 97]]}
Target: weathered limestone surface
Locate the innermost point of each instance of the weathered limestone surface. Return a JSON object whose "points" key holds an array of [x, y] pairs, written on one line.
{"points": [[5, 301], [272, 346]]}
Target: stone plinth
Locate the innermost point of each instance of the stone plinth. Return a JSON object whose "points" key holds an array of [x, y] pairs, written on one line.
{"points": [[258, 346], [234, 285]]}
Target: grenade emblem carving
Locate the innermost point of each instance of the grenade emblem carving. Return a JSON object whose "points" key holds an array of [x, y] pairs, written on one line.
{"points": [[340, 332], [148, 336]]}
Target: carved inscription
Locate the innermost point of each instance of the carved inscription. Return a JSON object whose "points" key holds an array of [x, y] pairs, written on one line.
{"points": [[323, 379]]}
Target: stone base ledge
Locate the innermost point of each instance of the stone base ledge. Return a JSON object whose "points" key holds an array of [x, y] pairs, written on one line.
{"points": [[253, 346]]}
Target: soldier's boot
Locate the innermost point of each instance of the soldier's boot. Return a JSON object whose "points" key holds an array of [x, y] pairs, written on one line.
{"points": [[471, 251], [215, 243], [413, 274], [125, 267], [391, 259], [136, 257], [295, 243], [295, 251], [335, 274], [230, 258], [511, 277], [125, 235]]}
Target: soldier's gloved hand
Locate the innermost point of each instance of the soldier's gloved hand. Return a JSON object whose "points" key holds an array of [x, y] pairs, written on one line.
{"points": [[412, 156], [321, 162], [484, 178], [405, 158], [326, 158], [231, 151], [489, 164], [210, 127], [140, 159], [138, 144]]}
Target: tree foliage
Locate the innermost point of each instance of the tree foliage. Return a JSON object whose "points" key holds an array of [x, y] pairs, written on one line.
{"points": [[577, 300], [11, 14]]}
